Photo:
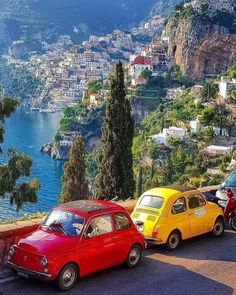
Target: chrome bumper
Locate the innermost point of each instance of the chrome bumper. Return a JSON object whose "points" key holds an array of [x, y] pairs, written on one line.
{"points": [[28, 272]]}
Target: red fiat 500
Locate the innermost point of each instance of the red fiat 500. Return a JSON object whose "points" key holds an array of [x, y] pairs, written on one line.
{"points": [[77, 239]]}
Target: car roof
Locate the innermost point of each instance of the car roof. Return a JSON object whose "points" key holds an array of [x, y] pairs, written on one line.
{"points": [[90, 207], [169, 191]]}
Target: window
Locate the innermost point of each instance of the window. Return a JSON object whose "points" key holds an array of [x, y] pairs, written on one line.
{"points": [[202, 201], [99, 226], [152, 201], [121, 221], [179, 206], [58, 220], [193, 202]]}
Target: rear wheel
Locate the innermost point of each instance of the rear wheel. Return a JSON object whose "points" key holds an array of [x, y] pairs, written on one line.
{"points": [[134, 256], [219, 227], [173, 241], [232, 222], [67, 277]]}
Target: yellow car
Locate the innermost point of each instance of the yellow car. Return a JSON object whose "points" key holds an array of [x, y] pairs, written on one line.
{"points": [[174, 213]]}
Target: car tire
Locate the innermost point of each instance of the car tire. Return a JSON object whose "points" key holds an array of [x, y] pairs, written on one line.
{"points": [[218, 228], [134, 256], [67, 277], [232, 223], [173, 241]]}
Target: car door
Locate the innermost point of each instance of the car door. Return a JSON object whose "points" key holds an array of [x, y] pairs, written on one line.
{"points": [[179, 217], [98, 244], [123, 235], [197, 214]]}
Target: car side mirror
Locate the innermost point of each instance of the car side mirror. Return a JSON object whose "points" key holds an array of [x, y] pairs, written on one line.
{"points": [[88, 235]]}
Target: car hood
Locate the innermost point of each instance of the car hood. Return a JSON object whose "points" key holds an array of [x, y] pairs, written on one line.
{"points": [[47, 242]]}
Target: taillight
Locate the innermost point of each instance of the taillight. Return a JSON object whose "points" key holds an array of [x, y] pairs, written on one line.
{"points": [[155, 233]]}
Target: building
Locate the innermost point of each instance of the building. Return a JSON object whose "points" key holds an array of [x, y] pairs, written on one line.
{"points": [[162, 138], [140, 64], [225, 87], [96, 100], [214, 5], [216, 150]]}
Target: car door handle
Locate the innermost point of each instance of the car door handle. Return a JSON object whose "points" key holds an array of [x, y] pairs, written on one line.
{"points": [[114, 238]]}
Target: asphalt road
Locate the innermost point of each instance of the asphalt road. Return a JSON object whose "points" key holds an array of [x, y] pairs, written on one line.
{"points": [[203, 265]]}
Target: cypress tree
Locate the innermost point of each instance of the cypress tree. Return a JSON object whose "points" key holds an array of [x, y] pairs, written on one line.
{"points": [[74, 182], [19, 165], [115, 177]]}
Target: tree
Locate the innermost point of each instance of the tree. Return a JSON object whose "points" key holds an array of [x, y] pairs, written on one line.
{"points": [[209, 91], [208, 116], [146, 74], [74, 182], [140, 181], [115, 177], [19, 165]]}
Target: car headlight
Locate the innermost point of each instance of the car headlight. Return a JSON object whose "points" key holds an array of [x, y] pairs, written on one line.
{"points": [[44, 261], [11, 252]]}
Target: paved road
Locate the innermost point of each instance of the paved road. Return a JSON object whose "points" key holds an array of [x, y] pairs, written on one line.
{"points": [[202, 265]]}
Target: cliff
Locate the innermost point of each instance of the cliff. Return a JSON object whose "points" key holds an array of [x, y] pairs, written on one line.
{"points": [[200, 46]]}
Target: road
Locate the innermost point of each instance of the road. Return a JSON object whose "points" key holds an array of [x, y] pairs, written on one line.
{"points": [[203, 265]]}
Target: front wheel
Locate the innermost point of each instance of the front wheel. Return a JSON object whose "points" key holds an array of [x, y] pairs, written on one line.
{"points": [[218, 228], [134, 256], [232, 222], [67, 277]]}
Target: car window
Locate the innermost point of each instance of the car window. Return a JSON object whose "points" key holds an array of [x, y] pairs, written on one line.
{"points": [[202, 201], [152, 201], [193, 202], [99, 226], [231, 179], [70, 223], [121, 221], [179, 206]]}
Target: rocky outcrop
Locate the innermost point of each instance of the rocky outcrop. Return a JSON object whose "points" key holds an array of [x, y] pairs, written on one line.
{"points": [[51, 149], [199, 47]]}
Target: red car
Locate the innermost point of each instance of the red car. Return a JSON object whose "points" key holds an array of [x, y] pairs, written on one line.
{"points": [[77, 239]]}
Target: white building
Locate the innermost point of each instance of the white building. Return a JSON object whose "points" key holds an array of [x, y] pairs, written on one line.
{"points": [[140, 64], [214, 5], [225, 86], [176, 132], [215, 150]]}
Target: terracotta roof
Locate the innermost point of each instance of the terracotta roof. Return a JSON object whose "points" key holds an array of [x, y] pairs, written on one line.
{"points": [[142, 60]]}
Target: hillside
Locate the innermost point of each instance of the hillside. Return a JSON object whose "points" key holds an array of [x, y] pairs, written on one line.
{"points": [[42, 20], [202, 38]]}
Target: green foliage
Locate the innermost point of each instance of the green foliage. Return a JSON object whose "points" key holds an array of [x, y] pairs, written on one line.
{"points": [[18, 166], [146, 74], [209, 91], [94, 86], [74, 182], [208, 116], [19, 82], [115, 172]]}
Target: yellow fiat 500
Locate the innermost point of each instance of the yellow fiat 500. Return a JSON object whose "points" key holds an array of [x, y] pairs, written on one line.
{"points": [[174, 213]]}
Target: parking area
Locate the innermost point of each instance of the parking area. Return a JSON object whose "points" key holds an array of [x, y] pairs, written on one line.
{"points": [[203, 265]]}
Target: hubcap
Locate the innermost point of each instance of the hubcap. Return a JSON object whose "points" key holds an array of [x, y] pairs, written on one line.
{"points": [[218, 228], [174, 241], [68, 277], [134, 256]]}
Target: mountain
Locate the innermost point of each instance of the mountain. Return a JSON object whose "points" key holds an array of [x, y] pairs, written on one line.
{"points": [[164, 7], [202, 37], [33, 21], [45, 20]]}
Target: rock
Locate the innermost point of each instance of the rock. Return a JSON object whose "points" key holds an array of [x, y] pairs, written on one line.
{"points": [[199, 47]]}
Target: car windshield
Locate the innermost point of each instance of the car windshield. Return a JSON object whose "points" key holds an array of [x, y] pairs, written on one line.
{"points": [[152, 201], [231, 179], [66, 222]]}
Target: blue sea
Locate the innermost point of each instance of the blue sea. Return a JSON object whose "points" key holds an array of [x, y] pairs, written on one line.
{"points": [[27, 132]]}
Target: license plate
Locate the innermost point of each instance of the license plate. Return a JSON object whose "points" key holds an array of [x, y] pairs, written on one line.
{"points": [[22, 274]]}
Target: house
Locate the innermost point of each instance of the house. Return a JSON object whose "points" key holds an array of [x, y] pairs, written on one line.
{"points": [[225, 87], [138, 81], [217, 150], [195, 125], [140, 64], [96, 100], [176, 132]]}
